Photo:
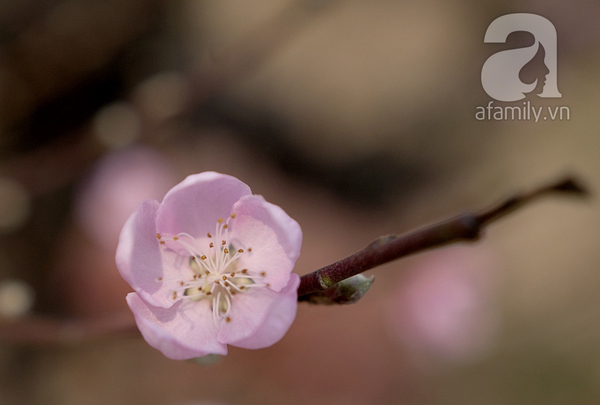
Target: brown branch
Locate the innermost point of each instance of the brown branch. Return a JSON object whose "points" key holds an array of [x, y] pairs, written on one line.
{"points": [[465, 227], [48, 331]]}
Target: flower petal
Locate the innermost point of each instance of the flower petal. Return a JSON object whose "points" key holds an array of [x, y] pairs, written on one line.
{"points": [[194, 205], [140, 260], [274, 237], [181, 332], [261, 316]]}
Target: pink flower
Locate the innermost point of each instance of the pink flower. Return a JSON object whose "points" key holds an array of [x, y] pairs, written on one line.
{"points": [[445, 308], [211, 266]]}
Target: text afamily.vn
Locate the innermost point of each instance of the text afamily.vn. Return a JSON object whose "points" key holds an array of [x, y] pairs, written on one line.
{"points": [[524, 112]]}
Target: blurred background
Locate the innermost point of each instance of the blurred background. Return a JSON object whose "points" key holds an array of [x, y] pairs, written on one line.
{"points": [[358, 118]]}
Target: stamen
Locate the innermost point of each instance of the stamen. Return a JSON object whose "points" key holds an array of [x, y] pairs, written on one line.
{"points": [[222, 278]]}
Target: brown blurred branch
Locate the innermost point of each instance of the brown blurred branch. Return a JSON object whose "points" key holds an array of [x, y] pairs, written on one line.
{"points": [[465, 227], [30, 66], [41, 331], [231, 64]]}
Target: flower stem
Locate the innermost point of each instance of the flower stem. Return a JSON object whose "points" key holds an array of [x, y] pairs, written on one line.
{"points": [[465, 227]]}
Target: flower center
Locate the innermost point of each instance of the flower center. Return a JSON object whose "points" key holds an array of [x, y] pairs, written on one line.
{"points": [[214, 273]]}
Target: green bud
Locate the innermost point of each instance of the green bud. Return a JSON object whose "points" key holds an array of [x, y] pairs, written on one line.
{"points": [[345, 292], [207, 360]]}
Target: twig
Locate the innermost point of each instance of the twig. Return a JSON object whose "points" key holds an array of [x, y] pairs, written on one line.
{"points": [[47, 331], [465, 227]]}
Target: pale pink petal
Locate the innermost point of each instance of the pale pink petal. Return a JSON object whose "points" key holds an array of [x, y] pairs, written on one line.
{"points": [[274, 237], [276, 322], [184, 331], [194, 205], [142, 262]]}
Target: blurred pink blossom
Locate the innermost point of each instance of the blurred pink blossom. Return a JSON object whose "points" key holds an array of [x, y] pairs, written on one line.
{"points": [[116, 186], [446, 309], [211, 266]]}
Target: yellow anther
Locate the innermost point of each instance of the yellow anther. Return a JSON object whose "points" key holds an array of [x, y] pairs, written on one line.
{"points": [[209, 235], [226, 250], [240, 250], [220, 220], [158, 236], [203, 257], [175, 237], [233, 215], [225, 226], [212, 245]]}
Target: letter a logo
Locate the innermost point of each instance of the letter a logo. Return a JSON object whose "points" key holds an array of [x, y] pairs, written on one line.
{"points": [[500, 72]]}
